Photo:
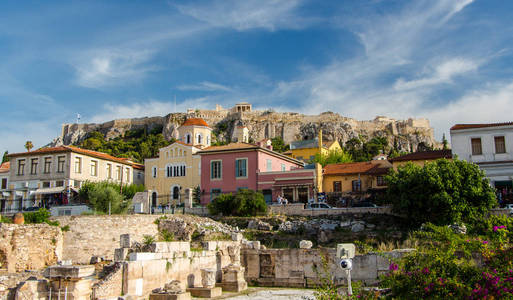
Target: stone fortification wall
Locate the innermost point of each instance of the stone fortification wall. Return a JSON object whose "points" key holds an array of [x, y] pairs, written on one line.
{"points": [[99, 235], [297, 267], [29, 247], [405, 134]]}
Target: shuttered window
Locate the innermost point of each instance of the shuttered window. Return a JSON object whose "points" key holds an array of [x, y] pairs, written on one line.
{"points": [[476, 146], [500, 144]]}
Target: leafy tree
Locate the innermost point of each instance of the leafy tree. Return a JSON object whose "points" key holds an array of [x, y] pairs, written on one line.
{"points": [[196, 194], [362, 149], [441, 192], [5, 158], [333, 157], [127, 191], [245, 203], [279, 145], [444, 143], [29, 145], [103, 196]]}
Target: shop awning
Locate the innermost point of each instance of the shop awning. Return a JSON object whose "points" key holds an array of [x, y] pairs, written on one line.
{"points": [[54, 190]]}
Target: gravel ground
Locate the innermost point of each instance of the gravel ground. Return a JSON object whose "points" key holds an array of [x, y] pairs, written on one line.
{"points": [[275, 294]]}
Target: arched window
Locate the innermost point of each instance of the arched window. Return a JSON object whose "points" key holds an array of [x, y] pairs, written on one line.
{"points": [[208, 140], [199, 138], [188, 138], [169, 172]]}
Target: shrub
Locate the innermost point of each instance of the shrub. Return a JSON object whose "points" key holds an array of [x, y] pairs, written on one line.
{"points": [[40, 216], [245, 203], [167, 236], [65, 228], [148, 239], [442, 192], [101, 196]]}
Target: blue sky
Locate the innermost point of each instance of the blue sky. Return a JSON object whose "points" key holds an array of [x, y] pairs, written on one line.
{"points": [[446, 60]]}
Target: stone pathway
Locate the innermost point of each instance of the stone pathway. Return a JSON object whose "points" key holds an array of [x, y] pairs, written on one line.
{"points": [[274, 294]]}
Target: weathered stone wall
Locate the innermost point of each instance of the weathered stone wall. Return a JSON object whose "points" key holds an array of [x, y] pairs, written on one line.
{"points": [[99, 235], [111, 285], [29, 247], [298, 209], [299, 267]]}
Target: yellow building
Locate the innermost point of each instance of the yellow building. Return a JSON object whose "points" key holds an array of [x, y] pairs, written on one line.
{"points": [[307, 149], [177, 169], [420, 158], [358, 177]]}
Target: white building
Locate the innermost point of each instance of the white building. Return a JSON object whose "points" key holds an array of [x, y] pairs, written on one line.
{"points": [[4, 185], [490, 146]]}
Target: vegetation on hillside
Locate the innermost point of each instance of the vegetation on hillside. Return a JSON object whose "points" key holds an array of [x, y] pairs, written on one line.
{"points": [[279, 145], [136, 144], [442, 192]]}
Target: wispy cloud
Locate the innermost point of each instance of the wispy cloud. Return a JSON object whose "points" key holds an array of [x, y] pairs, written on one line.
{"points": [[204, 86], [442, 73], [96, 69], [247, 14]]}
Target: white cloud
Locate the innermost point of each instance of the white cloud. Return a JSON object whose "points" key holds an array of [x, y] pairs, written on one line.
{"points": [[247, 14], [96, 69], [443, 73], [204, 86]]}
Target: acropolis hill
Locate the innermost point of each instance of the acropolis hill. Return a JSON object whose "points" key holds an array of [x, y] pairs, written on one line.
{"points": [[291, 126]]}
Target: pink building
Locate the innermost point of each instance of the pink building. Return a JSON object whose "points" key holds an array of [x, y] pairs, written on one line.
{"points": [[297, 185], [229, 168]]}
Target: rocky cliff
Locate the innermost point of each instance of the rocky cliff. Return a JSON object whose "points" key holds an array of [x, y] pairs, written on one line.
{"points": [[405, 134]]}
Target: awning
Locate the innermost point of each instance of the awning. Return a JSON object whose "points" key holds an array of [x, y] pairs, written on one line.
{"points": [[54, 190]]}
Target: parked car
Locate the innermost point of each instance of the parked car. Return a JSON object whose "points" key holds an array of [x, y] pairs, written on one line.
{"points": [[510, 208], [34, 208], [364, 204], [319, 205]]}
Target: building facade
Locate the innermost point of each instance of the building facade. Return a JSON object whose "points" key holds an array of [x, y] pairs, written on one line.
{"points": [[52, 176], [490, 146], [177, 169], [420, 158], [229, 168], [4, 185], [306, 150]]}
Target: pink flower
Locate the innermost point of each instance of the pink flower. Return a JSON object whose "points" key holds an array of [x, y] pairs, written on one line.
{"points": [[393, 267], [485, 242]]}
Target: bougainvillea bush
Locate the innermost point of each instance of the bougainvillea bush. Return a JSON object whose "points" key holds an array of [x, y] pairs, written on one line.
{"points": [[447, 265]]}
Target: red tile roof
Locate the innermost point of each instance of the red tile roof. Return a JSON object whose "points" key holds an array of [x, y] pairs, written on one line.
{"points": [[425, 155], [366, 167], [195, 122], [64, 149], [470, 126], [4, 168]]}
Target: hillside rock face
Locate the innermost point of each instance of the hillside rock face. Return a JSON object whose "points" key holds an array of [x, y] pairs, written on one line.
{"points": [[406, 134]]}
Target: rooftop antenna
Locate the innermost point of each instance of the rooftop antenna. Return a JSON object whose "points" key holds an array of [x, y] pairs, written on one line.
{"points": [[78, 118]]}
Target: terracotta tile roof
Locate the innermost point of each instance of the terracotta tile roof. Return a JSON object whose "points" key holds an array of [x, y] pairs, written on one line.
{"points": [[231, 146], [195, 122], [64, 149], [4, 168], [470, 126], [365, 167], [425, 155]]}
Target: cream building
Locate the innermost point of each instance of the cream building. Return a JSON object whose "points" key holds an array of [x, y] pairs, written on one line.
{"points": [[176, 171], [52, 176]]}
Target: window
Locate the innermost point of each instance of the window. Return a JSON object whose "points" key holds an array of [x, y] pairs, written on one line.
{"points": [[78, 165], [4, 183], [183, 170], [48, 165], [214, 193], [46, 184], [199, 138], [241, 166], [94, 168], [127, 174], [215, 169], [269, 165], [109, 171], [33, 166], [21, 167], [337, 186], [169, 171], [208, 140], [59, 183], [302, 194], [60, 164], [118, 173], [476, 146], [154, 172], [283, 168], [500, 145], [288, 194], [188, 138], [381, 181], [77, 184], [357, 185]]}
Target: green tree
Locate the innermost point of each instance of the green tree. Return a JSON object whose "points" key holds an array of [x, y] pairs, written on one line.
{"points": [[29, 145], [103, 196], [333, 157], [279, 145], [442, 192], [196, 194], [444, 143], [5, 158], [245, 203]]}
